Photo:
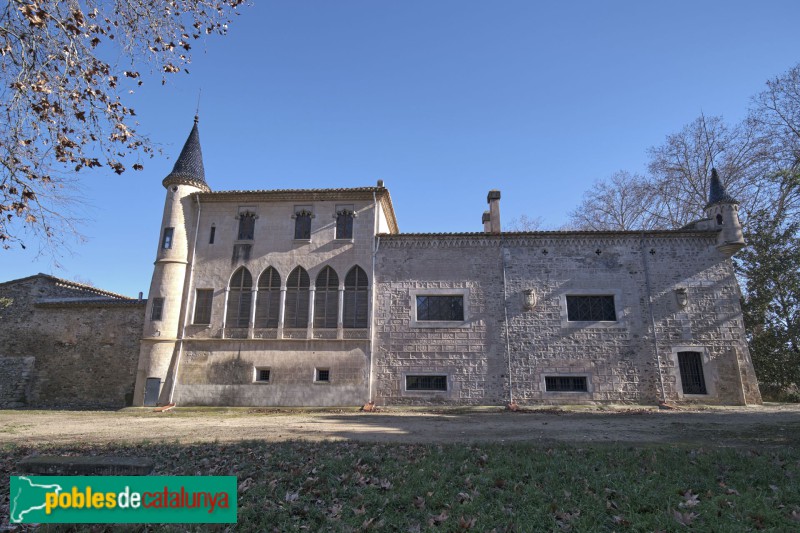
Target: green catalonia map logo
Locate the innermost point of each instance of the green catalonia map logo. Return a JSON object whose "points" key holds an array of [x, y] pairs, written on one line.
{"points": [[122, 499]]}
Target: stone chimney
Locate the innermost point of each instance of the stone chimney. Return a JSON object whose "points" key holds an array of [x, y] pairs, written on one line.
{"points": [[493, 199], [486, 220]]}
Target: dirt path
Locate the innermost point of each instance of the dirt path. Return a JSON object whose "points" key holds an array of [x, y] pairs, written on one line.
{"points": [[768, 425]]}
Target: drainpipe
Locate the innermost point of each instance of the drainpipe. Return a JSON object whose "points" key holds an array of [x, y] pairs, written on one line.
{"points": [[373, 296], [186, 303], [652, 316], [506, 255]]}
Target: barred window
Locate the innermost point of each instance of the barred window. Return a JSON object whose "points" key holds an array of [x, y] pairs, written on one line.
{"points": [[426, 383], [240, 297], [344, 222], [565, 383], [591, 308], [297, 290], [356, 300], [268, 301], [326, 299], [440, 308], [691, 368], [302, 223], [202, 306], [262, 375], [157, 309], [247, 226], [322, 374]]}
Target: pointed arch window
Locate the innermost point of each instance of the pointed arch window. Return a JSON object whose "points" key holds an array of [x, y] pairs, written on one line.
{"points": [[269, 299], [356, 290], [240, 298], [297, 287], [326, 299]]}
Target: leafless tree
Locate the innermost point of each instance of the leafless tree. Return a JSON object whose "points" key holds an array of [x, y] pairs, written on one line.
{"points": [[524, 223], [620, 203], [61, 105]]}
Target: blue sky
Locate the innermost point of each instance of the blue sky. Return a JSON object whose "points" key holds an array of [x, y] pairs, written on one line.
{"points": [[443, 100]]}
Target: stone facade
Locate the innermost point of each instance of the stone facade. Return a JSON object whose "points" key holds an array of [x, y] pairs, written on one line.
{"points": [[64, 344], [472, 318]]}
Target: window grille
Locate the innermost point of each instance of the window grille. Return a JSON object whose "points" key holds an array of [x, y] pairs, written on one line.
{"points": [[247, 226], [691, 368], [297, 286], [269, 299], [157, 309], [591, 308], [302, 224], [356, 300], [426, 383], [166, 240], [326, 299], [344, 223], [239, 299], [440, 308], [262, 374], [202, 306], [565, 383], [323, 374]]}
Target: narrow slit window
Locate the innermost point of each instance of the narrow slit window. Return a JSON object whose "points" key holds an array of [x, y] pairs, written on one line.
{"points": [[166, 240], [212, 234], [157, 310]]}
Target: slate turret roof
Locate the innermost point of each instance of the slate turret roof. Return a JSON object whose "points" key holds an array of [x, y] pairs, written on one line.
{"points": [[717, 193], [188, 169]]}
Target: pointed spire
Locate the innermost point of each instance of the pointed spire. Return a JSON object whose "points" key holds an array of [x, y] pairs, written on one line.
{"points": [[717, 193], [188, 167]]}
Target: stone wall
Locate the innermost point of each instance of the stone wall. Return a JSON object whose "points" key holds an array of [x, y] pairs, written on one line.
{"points": [[82, 344], [618, 358]]}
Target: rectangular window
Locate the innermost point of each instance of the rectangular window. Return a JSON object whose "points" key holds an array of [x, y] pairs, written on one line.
{"points": [[302, 222], [565, 383], [323, 374], [426, 383], [691, 367], [344, 221], [166, 240], [202, 306], [591, 308], [262, 375], [212, 235], [247, 226], [157, 309], [441, 308]]}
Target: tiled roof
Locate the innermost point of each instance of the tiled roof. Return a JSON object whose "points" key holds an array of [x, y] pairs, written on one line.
{"points": [[717, 193], [189, 166], [89, 302], [559, 233], [72, 284], [298, 191]]}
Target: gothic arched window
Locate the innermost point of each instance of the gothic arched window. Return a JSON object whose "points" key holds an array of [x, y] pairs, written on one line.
{"points": [[297, 286], [240, 298], [269, 299], [326, 299], [356, 291]]}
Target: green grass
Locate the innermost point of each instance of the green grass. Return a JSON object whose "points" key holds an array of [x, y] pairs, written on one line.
{"points": [[306, 486]]}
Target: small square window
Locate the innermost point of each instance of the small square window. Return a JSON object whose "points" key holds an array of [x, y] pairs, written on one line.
{"points": [[323, 375], [262, 375], [166, 240], [157, 309], [565, 384]]}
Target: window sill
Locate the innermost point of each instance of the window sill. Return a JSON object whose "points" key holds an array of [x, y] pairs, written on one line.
{"points": [[346, 240], [302, 241], [261, 383]]}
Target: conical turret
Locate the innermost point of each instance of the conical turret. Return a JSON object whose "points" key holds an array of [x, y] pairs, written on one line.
{"points": [[723, 210], [188, 169]]}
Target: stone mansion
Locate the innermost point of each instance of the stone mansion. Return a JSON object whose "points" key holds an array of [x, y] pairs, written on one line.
{"points": [[313, 297]]}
